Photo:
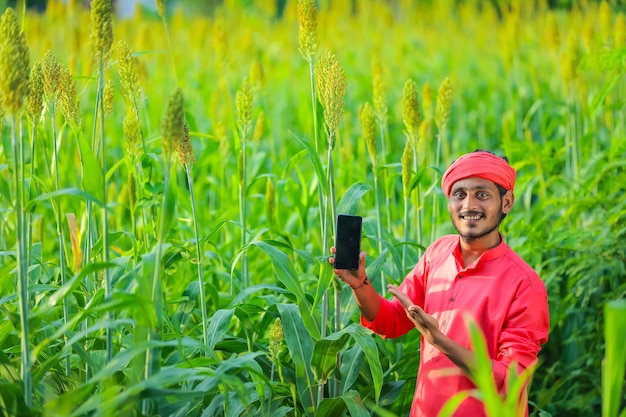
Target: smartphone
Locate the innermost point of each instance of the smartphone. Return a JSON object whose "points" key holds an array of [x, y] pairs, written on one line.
{"points": [[348, 241]]}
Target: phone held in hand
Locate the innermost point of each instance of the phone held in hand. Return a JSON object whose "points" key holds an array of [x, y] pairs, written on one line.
{"points": [[348, 241]]}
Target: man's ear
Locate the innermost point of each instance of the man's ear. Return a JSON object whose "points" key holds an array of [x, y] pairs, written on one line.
{"points": [[507, 201]]}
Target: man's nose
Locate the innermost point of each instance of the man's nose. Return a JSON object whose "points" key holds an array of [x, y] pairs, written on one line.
{"points": [[469, 202]]}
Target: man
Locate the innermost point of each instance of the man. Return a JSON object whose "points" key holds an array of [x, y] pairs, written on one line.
{"points": [[475, 273]]}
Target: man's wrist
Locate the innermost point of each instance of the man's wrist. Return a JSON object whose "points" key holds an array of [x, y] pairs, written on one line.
{"points": [[361, 285]]}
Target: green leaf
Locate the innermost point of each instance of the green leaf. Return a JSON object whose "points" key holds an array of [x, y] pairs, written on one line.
{"points": [[350, 201], [218, 326], [286, 273], [324, 359], [300, 348], [72, 192], [614, 364], [91, 177], [317, 163]]}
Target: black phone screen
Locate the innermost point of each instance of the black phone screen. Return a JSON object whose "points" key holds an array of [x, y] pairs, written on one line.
{"points": [[348, 241]]}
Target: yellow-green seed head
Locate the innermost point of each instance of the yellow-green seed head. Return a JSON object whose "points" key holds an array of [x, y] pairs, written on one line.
{"points": [[132, 191], [606, 21], [220, 42], [51, 78], [256, 75], [68, 98], [553, 36], [173, 122], [259, 127], [1, 116], [108, 94], [407, 160], [368, 127], [185, 150], [444, 104], [570, 59], [427, 101], [276, 340], [379, 92], [132, 134], [410, 110], [243, 103], [127, 67], [14, 63], [240, 167], [619, 33], [35, 95], [331, 90], [270, 197], [307, 35], [101, 30], [160, 6]]}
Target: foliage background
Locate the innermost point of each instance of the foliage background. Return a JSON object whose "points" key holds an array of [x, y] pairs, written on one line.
{"points": [[542, 85]]}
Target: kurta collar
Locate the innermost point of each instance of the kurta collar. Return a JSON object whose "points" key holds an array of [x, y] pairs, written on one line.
{"points": [[489, 255]]}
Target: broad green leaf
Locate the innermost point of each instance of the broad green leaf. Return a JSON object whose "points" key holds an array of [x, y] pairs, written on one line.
{"points": [[300, 348], [363, 338], [351, 199], [91, 177], [324, 359], [614, 364], [72, 192], [317, 163], [218, 326], [286, 273]]}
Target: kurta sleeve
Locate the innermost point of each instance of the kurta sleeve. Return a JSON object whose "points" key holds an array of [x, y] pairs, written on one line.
{"points": [[391, 320], [525, 330]]}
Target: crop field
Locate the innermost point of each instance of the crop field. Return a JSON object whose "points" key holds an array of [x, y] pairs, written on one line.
{"points": [[169, 180]]}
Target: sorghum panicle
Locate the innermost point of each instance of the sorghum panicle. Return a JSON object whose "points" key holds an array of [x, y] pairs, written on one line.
{"points": [[14, 63], [427, 101], [185, 150], [132, 133], [619, 33], [379, 92], [410, 109], [307, 34], [259, 127], [331, 89], [51, 77], [270, 197], [108, 95], [127, 68], [101, 29], [368, 127], [407, 160], [35, 95], [173, 122], [276, 339], [160, 6], [243, 103], [68, 98], [444, 104], [570, 59]]}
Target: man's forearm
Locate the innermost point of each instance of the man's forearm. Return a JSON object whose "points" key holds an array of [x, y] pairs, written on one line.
{"points": [[459, 355], [367, 299]]}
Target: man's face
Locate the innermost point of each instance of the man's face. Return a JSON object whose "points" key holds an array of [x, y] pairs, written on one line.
{"points": [[476, 208]]}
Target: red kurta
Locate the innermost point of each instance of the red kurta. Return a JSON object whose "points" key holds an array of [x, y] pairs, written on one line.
{"points": [[500, 291]]}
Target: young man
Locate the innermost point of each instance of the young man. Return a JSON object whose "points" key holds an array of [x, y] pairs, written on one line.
{"points": [[472, 273]]}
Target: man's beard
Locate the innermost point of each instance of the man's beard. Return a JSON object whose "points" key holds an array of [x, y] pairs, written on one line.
{"points": [[471, 236]]}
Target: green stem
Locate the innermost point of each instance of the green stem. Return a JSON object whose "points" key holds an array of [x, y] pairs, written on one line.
{"points": [[205, 322], [435, 213], [22, 267], [105, 223], [242, 210], [59, 226], [379, 226], [407, 210]]}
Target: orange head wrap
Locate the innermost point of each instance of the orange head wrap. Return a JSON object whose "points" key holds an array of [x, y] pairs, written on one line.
{"points": [[479, 164]]}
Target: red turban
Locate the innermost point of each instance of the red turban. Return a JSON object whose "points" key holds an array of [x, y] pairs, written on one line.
{"points": [[479, 164]]}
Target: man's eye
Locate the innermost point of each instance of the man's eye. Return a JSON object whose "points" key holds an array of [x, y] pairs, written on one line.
{"points": [[459, 195]]}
